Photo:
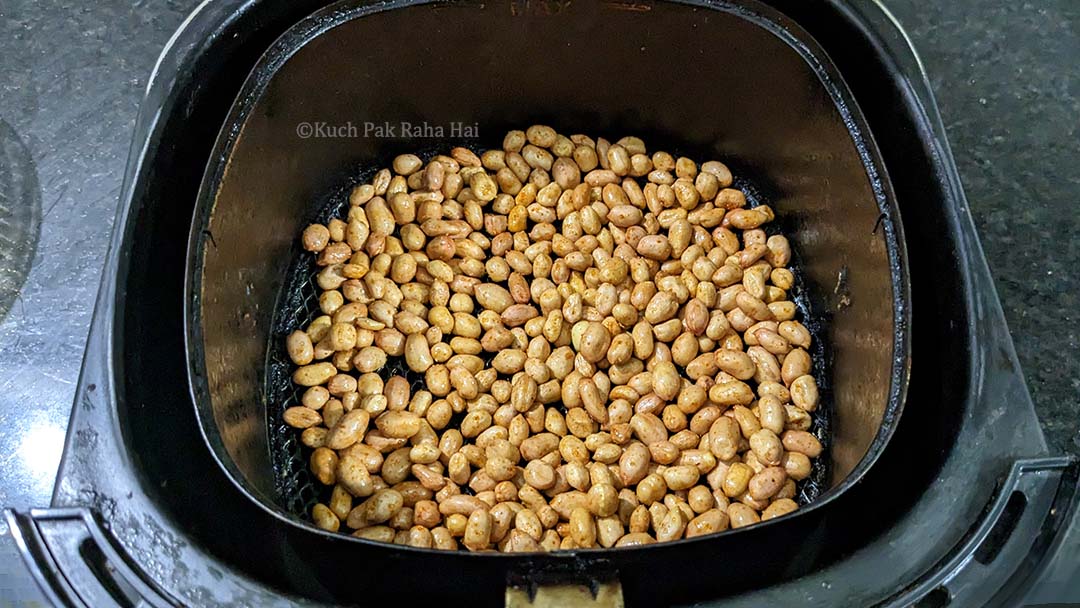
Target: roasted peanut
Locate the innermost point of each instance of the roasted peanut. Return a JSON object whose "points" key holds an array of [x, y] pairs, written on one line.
{"points": [[742, 515], [779, 507], [802, 442]]}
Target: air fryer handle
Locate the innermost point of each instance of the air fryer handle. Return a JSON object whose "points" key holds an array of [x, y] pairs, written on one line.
{"points": [[1011, 544], [73, 560]]}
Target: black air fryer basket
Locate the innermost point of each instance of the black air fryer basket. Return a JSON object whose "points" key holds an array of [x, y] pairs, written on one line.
{"points": [[174, 498], [808, 153]]}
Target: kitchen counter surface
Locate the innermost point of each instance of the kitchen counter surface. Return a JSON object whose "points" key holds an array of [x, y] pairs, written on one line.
{"points": [[1006, 76]]}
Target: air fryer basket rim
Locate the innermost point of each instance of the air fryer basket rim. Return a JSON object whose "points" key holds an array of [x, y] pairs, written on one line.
{"points": [[343, 11]]}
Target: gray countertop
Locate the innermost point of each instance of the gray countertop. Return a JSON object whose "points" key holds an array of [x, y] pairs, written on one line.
{"points": [[1007, 80], [1006, 75]]}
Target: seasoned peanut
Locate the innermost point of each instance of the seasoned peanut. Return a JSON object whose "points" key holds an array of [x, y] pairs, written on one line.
{"points": [[302, 417], [804, 392], [713, 520], [478, 530], [766, 446], [742, 515], [802, 442], [779, 507], [737, 478], [349, 429], [314, 374], [603, 500], [582, 528], [399, 424], [300, 348], [767, 483], [682, 477], [671, 527]]}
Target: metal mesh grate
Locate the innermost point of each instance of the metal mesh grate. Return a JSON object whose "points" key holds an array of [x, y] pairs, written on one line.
{"points": [[298, 305], [816, 321], [297, 490]]}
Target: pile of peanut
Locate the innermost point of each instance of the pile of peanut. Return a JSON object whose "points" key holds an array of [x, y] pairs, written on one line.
{"points": [[609, 352]]}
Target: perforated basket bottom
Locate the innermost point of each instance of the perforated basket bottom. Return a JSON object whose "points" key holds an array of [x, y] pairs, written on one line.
{"points": [[298, 304]]}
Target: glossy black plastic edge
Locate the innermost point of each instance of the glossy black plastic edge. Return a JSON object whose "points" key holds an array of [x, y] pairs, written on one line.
{"points": [[1049, 491], [98, 574]]}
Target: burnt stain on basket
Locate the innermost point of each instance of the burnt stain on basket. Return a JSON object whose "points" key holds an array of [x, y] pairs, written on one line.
{"points": [[296, 489], [841, 292], [633, 7]]}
